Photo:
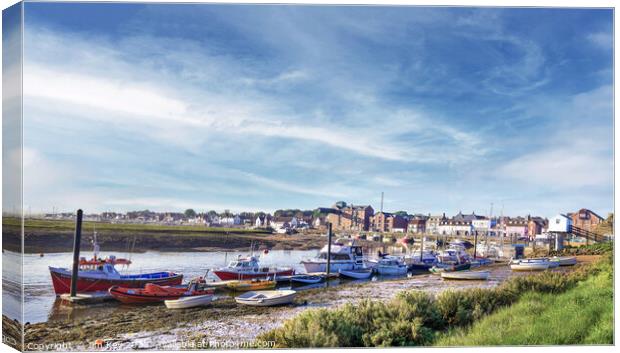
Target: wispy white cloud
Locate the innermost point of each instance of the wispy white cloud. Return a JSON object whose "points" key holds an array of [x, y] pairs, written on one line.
{"points": [[172, 105], [603, 40]]}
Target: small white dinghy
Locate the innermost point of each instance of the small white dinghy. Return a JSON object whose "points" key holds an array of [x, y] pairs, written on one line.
{"points": [[267, 297], [189, 302], [529, 265], [364, 273], [466, 275], [565, 260]]}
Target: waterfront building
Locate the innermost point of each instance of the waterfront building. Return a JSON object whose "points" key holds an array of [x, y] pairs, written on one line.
{"points": [[586, 219], [536, 226], [389, 222], [417, 224], [459, 225], [350, 218], [516, 227], [560, 223], [433, 222]]}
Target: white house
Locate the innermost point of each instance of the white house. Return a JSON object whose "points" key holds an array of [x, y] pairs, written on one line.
{"points": [[236, 220], [560, 223]]}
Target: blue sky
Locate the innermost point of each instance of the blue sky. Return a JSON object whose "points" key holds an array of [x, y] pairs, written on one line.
{"points": [[264, 107]]}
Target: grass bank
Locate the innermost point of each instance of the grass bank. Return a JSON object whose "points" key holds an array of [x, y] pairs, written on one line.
{"points": [[581, 315], [417, 318]]}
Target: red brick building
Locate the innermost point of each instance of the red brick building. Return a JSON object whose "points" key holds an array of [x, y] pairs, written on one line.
{"points": [[388, 222], [586, 219], [349, 217]]}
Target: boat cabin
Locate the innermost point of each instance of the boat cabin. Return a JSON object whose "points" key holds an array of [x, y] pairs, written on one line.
{"points": [[244, 263]]}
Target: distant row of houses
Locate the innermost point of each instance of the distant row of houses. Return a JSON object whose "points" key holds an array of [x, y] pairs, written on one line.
{"points": [[356, 218], [345, 217]]}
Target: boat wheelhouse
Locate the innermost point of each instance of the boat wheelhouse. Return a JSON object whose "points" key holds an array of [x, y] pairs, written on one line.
{"points": [[249, 268], [343, 257]]}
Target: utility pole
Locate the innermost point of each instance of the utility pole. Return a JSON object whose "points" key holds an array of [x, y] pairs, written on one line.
{"points": [[329, 249]]}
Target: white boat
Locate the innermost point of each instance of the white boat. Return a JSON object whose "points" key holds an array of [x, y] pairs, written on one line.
{"points": [[267, 297], [391, 266], [343, 257], [307, 279], [189, 302], [552, 264], [466, 275], [565, 260], [529, 266], [357, 274]]}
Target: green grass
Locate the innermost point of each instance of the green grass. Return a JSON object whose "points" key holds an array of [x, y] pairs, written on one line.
{"points": [[62, 225], [582, 315], [541, 302]]}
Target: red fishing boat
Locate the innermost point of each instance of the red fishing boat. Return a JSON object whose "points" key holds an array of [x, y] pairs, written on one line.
{"points": [[248, 268], [152, 293], [98, 274]]}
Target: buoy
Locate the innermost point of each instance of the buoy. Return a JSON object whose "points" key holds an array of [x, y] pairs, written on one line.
{"points": [[41, 254], [99, 343], [266, 251]]}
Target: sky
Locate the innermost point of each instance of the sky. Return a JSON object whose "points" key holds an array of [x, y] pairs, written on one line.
{"points": [[246, 108]]}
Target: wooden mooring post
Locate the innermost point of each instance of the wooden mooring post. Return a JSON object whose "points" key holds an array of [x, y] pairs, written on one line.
{"points": [[76, 252]]}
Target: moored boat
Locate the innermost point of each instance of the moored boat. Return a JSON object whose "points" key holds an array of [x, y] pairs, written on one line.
{"points": [[529, 266], [267, 298], [564, 260], [307, 279], [98, 275], [152, 293], [251, 285], [466, 275], [189, 301], [343, 257], [480, 261], [442, 267], [356, 274], [391, 266], [248, 268]]}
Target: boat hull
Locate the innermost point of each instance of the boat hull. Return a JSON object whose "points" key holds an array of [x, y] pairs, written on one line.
{"points": [[266, 298], [142, 296], [565, 261], [61, 280], [466, 275], [242, 286], [226, 275], [307, 279], [189, 302], [391, 271], [356, 274], [532, 266], [312, 267]]}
